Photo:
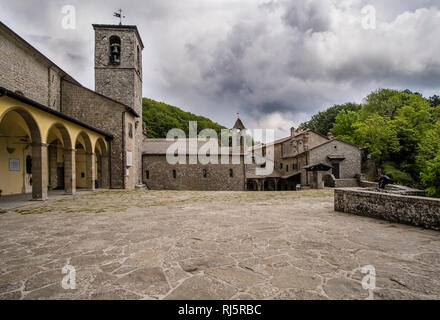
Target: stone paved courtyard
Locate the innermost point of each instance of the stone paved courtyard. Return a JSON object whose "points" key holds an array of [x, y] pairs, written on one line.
{"points": [[208, 245]]}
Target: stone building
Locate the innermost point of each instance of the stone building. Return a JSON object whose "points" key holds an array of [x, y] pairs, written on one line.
{"points": [[219, 175], [57, 134], [222, 170], [308, 158]]}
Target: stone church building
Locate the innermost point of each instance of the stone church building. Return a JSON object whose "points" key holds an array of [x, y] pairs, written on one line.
{"points": [[56, 134]]}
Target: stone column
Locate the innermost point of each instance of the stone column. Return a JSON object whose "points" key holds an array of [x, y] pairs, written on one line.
{"points": [[40, 175], [315, 180], [53, 172], [69, 171], [90, 171], [304, 179], [105, 172], [276, 184]]}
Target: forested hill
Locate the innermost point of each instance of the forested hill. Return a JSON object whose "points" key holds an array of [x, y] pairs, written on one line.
{"points": [[160, 117], [401, 130]]}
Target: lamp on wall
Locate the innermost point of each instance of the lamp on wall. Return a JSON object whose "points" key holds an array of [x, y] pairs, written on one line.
{"points": [[9, 149]]}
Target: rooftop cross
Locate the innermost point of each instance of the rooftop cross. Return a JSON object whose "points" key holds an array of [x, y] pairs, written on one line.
{"points": [[119, 15]]}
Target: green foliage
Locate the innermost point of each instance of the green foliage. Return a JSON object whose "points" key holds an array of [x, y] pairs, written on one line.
{"points": [[378, 135], [434, 101], [430, 177], [345, 125], [429, 146], [324, 121], [401, 130], [159, 118]]}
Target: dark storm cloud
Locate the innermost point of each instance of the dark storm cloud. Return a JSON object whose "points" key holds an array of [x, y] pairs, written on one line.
{"points": [[307, 15], [277, 62]]}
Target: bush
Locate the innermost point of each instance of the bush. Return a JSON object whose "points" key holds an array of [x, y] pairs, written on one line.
{"points": [[430, 177], [397, 176]]}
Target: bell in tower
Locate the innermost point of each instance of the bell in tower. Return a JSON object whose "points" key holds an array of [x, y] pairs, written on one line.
{"points": [[115, 50]]}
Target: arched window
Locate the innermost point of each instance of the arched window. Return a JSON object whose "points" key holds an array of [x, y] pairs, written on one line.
{"points": [[115, 50]]}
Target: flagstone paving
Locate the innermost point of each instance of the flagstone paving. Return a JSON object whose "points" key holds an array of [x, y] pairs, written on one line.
{"points": [[209, 245]]}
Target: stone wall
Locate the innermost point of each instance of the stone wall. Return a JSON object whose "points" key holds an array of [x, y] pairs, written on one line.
{"points": [[350, 167], [22, 70], [301, 142], [190, 177], [331, 182], [101, 113], [417, 211]]}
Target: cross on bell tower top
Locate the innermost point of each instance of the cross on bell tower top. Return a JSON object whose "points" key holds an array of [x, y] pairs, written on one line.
{"points": [[119, 15]]}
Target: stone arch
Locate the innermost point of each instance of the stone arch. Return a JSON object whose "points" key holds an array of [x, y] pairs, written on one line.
{"points": [[61, 171], [30, 121], [66, 139], [87, 141], [102, 173], [84, 162]]}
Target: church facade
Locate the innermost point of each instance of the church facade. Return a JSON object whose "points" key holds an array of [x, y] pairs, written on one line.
{"points": [[57, 134]]}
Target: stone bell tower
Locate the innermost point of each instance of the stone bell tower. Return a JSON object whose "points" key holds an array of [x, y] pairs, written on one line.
{"points": [[118, 75], [118, 64]]}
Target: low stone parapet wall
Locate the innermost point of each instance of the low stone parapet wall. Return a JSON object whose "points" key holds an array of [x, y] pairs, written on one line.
{"points": [[418, 211], [346, 183]]}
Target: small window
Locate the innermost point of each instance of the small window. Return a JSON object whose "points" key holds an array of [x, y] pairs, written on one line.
{"points": [[205, 173], [231, 173], [139, 58], [147, 174], [174, 174], [130, 130], [281, 166], [287, 168], [263, 165]]}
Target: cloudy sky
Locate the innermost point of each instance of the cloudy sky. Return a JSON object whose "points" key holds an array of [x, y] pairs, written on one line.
{"points": [[276, 62]]}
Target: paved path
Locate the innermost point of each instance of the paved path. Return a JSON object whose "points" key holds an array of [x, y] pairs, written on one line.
{"points": [[207, 245]]}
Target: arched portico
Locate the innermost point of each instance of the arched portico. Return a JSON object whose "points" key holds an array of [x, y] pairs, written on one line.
{"points": [[38, 150], [24, 154]]}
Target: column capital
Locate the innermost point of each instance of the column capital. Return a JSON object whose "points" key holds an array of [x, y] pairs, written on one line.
{"points": [[39, 144]]}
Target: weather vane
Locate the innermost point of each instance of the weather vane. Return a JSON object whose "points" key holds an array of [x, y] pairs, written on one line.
{"points": [[119, 15]]}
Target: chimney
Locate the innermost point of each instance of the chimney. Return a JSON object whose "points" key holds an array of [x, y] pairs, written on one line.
{"points": [[330, 136], [292, 132]]}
